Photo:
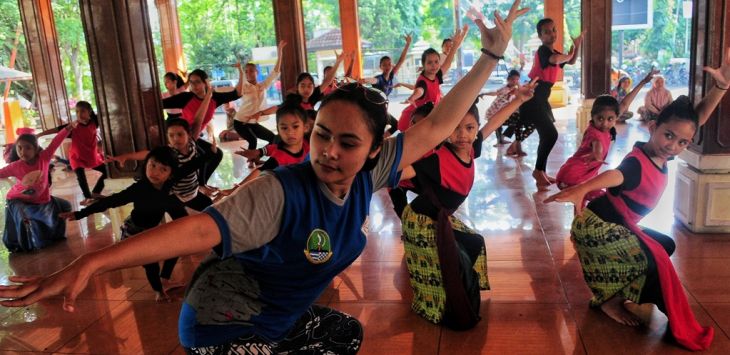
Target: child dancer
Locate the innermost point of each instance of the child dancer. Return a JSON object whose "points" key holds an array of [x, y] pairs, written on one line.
{"points": [[174, 84], [31, 213], [446, 259], [547, 66], [292, 149], [306, 94], [190, 102], [398, 195], [189, 158], [262, 299], [428, 84], [84, 153], [151, 197], [503, 97], [587, 160], [620, 93], [623, 264], [384, 80], [253, 105]]}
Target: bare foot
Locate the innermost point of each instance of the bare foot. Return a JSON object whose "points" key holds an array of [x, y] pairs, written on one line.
{"points": [[87, 201], [541, 180], [168, 285], [97, 196], [521, 153], [614, 308], [511, 150], [162, 296], [641, 311]]}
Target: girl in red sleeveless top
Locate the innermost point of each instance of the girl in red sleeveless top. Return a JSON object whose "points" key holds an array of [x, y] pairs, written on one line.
{"points": [[623, 264], [428, 84], [84, 152], [597, 138], [291, 149], [547, 67], [439, 247]]}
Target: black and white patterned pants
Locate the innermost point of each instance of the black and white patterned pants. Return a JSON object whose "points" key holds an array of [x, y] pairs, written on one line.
{"points": [[320, 330]]}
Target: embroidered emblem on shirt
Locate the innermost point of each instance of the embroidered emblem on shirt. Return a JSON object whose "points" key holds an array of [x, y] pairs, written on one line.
{"points": [[319, 249]]}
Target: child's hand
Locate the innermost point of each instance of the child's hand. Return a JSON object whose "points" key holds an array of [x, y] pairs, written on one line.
{"points": [[590, 158], [459, 36], [573, 194], [649, 76], [525, 92], [119, 160], [578, 40], [249, 153], [71, 125], [496, 39], [209, 87], [69, 216], [281, 46], [721, 74], [237, 65], [409, 39], [339, 57]]}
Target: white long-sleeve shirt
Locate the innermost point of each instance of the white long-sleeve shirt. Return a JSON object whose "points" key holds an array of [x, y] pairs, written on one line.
{"points": [[253, 97]]}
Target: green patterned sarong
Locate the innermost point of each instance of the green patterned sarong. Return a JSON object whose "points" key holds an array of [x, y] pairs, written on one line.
{"points": [[611, 257], [419, 235]]}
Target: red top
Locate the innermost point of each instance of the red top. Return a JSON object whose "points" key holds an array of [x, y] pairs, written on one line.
{"points": [[431, 93], [542, 68], [285, 157], [578, 169], [84, 152], [633, 205], [32, 179]]}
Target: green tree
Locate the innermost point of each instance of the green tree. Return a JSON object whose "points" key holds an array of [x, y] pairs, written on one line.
{"points": [[384, 23], [72, 46], [216, 33], [9, 22]]}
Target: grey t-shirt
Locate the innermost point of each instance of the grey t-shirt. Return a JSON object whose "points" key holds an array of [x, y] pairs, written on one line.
{"points": [[254, 211]]}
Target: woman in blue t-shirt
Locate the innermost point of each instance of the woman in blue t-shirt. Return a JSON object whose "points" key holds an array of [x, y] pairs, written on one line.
{"points": [[309, 221]]}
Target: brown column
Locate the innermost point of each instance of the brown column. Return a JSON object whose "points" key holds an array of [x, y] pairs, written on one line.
{"points": [[350, 26], [121, 56], [554, 9], [712, 28], [172, 51], [289, 25], [703, 177], [596, 63], [45, 61]]}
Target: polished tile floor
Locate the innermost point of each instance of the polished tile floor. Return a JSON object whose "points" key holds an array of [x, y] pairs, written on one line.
{"points": [[538, 303]]}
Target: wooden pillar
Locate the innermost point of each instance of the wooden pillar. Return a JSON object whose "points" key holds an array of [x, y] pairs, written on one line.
{"points": [[45, 61], [596, 63], [554, 9], [596, 57], [289, 25], [350, 27], [703, 180], [122, 60], [172, 51]]}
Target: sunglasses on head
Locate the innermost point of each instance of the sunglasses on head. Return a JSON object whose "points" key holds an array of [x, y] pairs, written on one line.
{"points": [[373, 96]]}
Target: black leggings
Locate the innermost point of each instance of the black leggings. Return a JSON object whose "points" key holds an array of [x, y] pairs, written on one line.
{"points": [[154, 274], [84, 185], [652, 291], [538, 112], [320, 330], [251, 131], [212, 160], [199, 203]]}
